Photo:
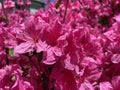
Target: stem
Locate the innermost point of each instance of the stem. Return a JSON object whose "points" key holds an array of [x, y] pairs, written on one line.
{"points": [[4, 11], [7, 60], [65, 11], [40, 73], [44, 77], [45, 82]]}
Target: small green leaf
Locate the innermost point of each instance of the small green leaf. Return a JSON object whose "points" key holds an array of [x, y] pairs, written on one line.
{"points": [[11, 52]]}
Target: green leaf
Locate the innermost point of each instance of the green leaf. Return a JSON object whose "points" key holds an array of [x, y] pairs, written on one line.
{"points": [[11, 52]]}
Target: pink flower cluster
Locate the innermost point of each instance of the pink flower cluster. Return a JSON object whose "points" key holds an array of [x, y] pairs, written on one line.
{"points": [[70, 45]]}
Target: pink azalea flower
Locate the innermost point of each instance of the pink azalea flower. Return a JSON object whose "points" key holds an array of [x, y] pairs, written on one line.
{"points": [[63, 79], [9, 4], [20, 2], [33, 40], [28, 2], [73, 46]]}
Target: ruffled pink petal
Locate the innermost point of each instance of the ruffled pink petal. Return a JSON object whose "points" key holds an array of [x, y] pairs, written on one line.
{"points": [[24, 48], [106, 86]]}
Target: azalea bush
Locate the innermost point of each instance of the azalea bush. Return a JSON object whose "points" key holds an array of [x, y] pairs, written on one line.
{"points": [[70, 45]]}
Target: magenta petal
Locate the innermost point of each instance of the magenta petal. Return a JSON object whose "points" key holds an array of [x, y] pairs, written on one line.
{"points": [[116, 82], [21, 85], [115, 58], [57, 51], [117, 18], [49, 59], [86, 86], [106, 86], [24, 48], [68, 64], [9, 4], [41, 46], [49, 52]]}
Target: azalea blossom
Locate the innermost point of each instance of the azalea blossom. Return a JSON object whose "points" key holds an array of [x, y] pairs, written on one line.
{"points": [[69, 45]]}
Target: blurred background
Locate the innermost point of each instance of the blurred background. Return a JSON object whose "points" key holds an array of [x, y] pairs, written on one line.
{"points": [[36, 4]]}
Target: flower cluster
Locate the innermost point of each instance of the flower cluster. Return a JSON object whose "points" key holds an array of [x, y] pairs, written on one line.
{"points": [[70, 45]]}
